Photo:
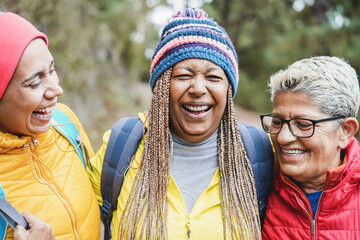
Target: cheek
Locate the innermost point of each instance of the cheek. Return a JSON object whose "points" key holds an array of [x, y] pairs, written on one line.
{"points": [[274, 140], [219, 90], [173, 100], [177, 89], [322, 142]]}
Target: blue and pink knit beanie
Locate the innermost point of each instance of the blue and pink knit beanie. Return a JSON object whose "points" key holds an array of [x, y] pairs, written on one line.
{"points": [[191, 34]]}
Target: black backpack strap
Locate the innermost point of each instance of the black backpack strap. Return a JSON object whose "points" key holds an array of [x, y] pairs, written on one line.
{"points": [[124, 140], [260, 153]]}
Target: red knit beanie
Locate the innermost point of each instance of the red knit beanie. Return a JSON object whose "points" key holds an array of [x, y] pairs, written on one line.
{"points": [[15, 35]]}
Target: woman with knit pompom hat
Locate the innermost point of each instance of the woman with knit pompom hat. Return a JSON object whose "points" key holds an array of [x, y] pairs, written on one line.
{"points": [[191, 177]]}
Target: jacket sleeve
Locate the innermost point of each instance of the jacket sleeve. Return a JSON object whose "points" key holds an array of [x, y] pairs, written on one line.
{"points": [[96, 163]]}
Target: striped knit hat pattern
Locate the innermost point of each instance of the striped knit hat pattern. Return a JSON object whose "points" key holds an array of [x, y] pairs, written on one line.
{"points": [[191, 34]]}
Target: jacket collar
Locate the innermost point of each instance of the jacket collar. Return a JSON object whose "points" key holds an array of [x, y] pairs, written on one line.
{"points": [[352, 155], [10, 141]]}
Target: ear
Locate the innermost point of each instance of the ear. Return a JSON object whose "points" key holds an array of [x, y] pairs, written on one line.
{"points": [[348, 129]]}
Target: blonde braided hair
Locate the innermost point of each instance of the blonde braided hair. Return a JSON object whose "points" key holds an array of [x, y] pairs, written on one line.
{"points": [[147, 206], [237, 185]]}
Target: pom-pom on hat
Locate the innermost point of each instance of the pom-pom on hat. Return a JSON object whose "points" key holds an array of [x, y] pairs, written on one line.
{"points": [[191, 34], [15, 35]]}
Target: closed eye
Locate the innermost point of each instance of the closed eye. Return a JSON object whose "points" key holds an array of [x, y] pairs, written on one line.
{"points": [[214, 78], [276, 123], [183, 77], [302, 124], [53, 70], [37, 81]]}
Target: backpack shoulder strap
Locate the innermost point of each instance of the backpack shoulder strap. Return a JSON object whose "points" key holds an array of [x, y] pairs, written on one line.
{"points": [[71, 133], [260, 153], [124, 140], [9, 215], [3, 223]]}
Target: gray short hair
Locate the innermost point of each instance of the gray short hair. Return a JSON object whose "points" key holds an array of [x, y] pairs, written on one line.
{"points": [[329, 82]]}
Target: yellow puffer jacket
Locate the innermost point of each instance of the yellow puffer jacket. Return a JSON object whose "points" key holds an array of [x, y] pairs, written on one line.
{"points": [[52, 184], [203, 222]]}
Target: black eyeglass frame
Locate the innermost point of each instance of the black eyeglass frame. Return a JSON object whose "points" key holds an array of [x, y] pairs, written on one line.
{"points": [[314, 122]]}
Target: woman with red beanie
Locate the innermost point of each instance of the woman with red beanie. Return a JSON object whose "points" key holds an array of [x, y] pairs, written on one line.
{"points": [[40, 171]]}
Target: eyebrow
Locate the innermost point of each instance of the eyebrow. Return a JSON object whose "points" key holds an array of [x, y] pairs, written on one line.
{"points": [[36, 74], [184, 67], [211, 69]]}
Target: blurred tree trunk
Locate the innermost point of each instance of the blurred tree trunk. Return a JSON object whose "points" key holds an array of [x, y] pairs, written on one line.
{"points": [[320, 9]]}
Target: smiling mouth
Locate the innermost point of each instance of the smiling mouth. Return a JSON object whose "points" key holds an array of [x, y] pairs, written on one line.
{"points": [[197, 109], [44, 112], [292, 152]]}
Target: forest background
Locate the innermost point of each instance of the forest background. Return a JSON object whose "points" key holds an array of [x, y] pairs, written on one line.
{"points": [[103, 48]]}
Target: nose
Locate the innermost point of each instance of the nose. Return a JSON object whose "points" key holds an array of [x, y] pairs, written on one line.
{"points": [[53, 88], [285, 135], [198, 85]]}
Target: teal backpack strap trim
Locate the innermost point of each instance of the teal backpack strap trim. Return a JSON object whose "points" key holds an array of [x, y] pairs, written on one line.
{"points": [[3, 223], [71, 133]]}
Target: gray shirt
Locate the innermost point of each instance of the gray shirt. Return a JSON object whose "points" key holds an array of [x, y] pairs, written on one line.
{"points": [[193, 166]]}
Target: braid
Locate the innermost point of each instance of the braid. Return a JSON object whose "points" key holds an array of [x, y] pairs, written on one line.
{"points": [[237, 185], [147, 200], [146, 209]]}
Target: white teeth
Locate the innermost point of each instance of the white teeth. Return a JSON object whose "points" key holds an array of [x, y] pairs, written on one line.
{"points": [[196, 108], [47, 110], [292, 152], [43, 115]]}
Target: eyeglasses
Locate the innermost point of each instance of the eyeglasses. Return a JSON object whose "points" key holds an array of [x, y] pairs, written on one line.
{"points": [[299, 127]]}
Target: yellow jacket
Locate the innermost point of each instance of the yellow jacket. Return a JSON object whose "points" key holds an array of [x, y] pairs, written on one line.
{"points": [[204, 221], [66, 200]]}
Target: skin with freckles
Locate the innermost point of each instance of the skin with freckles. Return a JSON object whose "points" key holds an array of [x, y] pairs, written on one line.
{"points": [[27, 104], [198, 97], [315, 155]]}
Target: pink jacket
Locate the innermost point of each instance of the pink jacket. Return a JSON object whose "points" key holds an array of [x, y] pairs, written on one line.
{"points": [[289, 214]]}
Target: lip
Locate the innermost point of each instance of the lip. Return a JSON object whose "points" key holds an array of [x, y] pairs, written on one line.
{"points": [[48, 106], [291, 154], [44, 117], [200, 115]]}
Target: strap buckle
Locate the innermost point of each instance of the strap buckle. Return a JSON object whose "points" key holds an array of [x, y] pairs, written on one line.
{"points": [[106, 211], [106, 217]]}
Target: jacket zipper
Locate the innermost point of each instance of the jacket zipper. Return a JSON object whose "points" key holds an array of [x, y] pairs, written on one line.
{"points": [[310, 218], [188, 225], [56, 191], [317, 210]]}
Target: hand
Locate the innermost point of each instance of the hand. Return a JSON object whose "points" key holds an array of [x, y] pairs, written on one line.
{"points": [[38, 230]]}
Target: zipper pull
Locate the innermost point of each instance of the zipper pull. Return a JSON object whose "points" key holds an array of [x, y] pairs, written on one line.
{"points": [[188, 225], [35, 141], [313, 227]]}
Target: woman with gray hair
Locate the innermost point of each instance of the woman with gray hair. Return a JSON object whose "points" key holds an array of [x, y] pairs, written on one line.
{"points": [[316, 192]]}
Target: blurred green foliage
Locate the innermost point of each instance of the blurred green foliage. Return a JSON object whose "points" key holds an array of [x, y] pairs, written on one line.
{"points": [[103, 47], [269, 35]]}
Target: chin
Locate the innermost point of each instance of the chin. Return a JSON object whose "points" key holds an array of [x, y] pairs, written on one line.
{"points": [[290, 171], [42, 129]]}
